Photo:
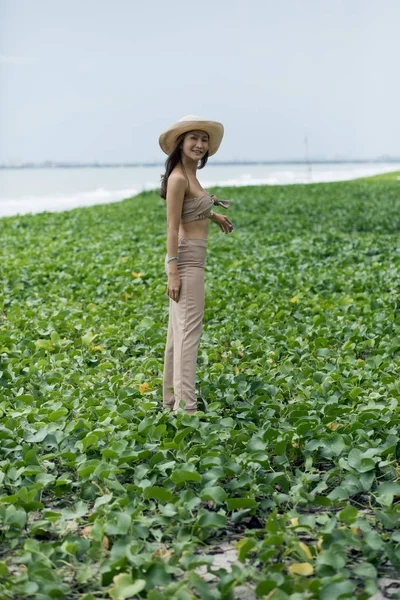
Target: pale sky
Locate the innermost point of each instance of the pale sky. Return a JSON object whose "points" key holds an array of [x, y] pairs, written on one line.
{"points": [[85, 80]]}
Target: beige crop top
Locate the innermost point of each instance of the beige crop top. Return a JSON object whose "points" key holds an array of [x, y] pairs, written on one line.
{"points": [[194, 209]]}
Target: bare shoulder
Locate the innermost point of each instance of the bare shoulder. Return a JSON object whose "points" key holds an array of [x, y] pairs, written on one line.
{"points": [[177, 178], [177, 184]]}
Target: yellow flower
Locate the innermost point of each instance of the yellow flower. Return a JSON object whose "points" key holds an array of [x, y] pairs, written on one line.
{"points": [[144, 387], [294, 299], [137, 274], [124, 258], [97, 348]]}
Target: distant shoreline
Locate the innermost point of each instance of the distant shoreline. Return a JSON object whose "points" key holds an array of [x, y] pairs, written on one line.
{"points": [[61, 165], [55, 189]]}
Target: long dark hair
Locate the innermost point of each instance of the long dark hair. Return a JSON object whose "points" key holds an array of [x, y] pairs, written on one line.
{"points": [[173, 159]]}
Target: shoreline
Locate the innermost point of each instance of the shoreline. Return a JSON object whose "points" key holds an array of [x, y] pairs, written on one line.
{"points": [[32, 204], [238, 163]]}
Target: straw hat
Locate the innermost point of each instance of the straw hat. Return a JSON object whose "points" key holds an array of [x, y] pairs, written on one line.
{"points": [[214, 129]]}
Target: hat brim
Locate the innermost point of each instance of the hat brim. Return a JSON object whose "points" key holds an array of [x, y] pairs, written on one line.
{"points": [[214, 129]]}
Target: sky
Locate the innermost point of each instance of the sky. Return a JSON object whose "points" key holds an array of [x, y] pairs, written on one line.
{"points": [[99, 80]]}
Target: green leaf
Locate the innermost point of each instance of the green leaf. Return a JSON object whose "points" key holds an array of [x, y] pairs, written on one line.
{"points": [[374, 540], [348, 515], [211, 519], [279, 594], [201, 586], [102, 500], [124, 587], [118, 524], [359, 462], [88, 338], [355, 392], [334, 445], [367, 479], [15, 517], [190, 561], [216, 494], [157, 575], [57, 414], [333, 557], [29, 588], [44, 344], [236, 503], [244, 546], [365, 570], [182, 475], [146, 323], [386, 492], [30, 458], [338, 591], [88, 467], [265, 587], [256, 444], [157, 493], [26, 399]]}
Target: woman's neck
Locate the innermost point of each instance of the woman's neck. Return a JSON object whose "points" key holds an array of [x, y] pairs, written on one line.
{"points": [[189, 165]]}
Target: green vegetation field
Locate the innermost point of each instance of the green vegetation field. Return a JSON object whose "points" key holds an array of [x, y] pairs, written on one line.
{"points": [[295, 458]]}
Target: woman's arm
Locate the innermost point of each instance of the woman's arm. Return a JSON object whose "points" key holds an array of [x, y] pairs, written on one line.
{"points": [[175, 195], [223, 222]]}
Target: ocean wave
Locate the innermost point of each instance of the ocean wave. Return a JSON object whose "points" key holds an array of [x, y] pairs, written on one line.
{"points": [[297, 177], [275, 176], [59, 202]]}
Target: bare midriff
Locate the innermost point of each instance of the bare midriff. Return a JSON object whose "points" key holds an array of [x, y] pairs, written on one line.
{"points": [[195, 229]]}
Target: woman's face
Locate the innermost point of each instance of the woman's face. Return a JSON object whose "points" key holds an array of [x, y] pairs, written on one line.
{"points": [[195, 144]]}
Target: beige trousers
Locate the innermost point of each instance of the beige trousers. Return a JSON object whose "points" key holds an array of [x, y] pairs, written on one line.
{"points": [[184, 327]]}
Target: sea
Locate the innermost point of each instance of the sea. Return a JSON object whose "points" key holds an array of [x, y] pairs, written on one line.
{"points": [[33, 190]]}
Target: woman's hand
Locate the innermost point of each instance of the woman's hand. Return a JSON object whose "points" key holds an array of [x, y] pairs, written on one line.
{"points": [[174, 286], [223, 222]]}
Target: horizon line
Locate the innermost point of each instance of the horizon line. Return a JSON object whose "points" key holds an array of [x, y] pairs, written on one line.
{"points": [[97, 164]]}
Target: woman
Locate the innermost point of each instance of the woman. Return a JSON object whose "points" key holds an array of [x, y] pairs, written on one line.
{"points": [[188, 144]]}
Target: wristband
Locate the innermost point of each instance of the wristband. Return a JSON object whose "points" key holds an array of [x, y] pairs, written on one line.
{"points": [[172, 258]]}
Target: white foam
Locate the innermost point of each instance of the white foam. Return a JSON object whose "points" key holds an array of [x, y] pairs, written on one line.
{"points": [[137, 180], [60, 202], [289, 177]]}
